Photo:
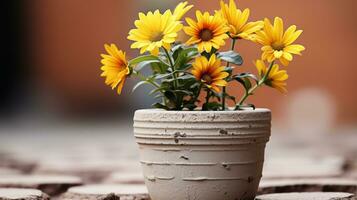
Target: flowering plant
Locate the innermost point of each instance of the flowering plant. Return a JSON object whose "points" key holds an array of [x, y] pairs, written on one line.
{"points": [[182, 70]]}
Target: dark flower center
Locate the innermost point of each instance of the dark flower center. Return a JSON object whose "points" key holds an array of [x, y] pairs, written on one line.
{"points": [[206, 34], [278, 46], [157, 37], [206, 78]]}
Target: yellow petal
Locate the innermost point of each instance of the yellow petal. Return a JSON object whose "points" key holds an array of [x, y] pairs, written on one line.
{"points": [[181, 9], [294, 49], [244, 17], [268, 28], [222, 75], [289, 32], [287, 56], [191, 23], [215, 88], [280, 86], [278, 54], [284, 61], [220, 82], [292, 37], [278, 28]]}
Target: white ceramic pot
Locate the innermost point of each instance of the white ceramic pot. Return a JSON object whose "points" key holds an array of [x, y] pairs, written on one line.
{"points": [[202, 155]]}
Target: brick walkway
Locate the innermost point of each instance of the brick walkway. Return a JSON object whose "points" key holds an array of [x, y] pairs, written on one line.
{"points": [[96, 162]]}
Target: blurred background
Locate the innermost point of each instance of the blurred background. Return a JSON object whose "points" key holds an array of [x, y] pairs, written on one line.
{"points": [[51, 64], [52, 95]]}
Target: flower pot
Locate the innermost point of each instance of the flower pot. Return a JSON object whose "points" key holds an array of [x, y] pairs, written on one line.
{"points": [[202, 155]]}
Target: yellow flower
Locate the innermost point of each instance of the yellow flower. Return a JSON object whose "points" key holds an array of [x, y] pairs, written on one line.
{"points": [[276, 78], [115, 67], [155, 30], [210, 72], [181, 9], [209, 31], [278, 44], [237, 21]]}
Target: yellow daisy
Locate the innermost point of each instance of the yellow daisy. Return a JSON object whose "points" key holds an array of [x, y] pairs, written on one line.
{"points": [[210, 72], [237, 21], [278, 44], [181, 9], [115, 67], [276, 78], [155, 30], [209, 31]]}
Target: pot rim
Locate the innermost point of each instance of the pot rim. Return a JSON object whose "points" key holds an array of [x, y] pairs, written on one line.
{"points": [[229, 116], [231, 127], [158, 110]]}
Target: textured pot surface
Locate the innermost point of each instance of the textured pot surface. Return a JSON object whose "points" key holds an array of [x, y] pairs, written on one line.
{"points": [[202, 155]]}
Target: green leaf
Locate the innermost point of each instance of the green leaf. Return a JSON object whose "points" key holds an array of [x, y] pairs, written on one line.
{"points": [[185, 66], [166, 86], [231, 57], [245, 82], [191, 51], [162, 76], [208, 54], [229, 69], [184, 92], [233, 98], [143, 64], [176, 47], [193, 84], [184, 56], [159, 68], [144, 58], [159, 96], [244, 79], [173, 102], [159, 105], [154, 91], [211, 106], [185, 77], [205, 54], [170, 96], [137, 85], [189, 105], [241, 107], [247, 75], [176, 51], [168, 75]]}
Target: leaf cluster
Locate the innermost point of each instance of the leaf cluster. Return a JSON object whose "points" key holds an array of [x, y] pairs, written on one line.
{"points": [[173, 85]]}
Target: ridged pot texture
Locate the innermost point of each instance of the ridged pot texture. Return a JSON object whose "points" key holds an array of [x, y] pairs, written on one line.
{"points": [[202, 155]]}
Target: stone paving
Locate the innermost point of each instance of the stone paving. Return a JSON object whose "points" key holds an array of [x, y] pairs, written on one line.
{"points": [[101, 162]]}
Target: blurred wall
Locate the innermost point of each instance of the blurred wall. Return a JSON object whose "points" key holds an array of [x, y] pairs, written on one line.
{"points": [[13, 74], [66, 38]]}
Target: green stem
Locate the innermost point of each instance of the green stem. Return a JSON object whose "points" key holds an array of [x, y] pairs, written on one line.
{"points": [[268, 72], [247, 94], [172, 68], [260, 83], [208, 95], [143, 78], [198, 93], [233, 43], [224, 90], [153, 83]]}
